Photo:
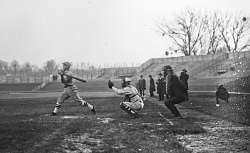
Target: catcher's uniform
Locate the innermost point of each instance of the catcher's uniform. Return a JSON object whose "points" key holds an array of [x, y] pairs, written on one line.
{"points": [[132, 98], [70, 90]]}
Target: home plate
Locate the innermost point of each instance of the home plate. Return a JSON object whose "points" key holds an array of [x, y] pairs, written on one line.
{"points": [[72, 117], [105, 120]]}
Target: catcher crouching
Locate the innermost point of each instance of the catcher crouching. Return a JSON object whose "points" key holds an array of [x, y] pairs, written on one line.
{"points": [[132, 102], [70, 89]]}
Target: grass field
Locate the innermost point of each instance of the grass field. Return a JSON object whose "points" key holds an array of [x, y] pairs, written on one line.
{"points": [[17, 86], [26, 126], [237, 110]]}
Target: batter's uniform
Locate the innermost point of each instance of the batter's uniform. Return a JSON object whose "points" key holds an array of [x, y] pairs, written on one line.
{"points": [[132, 101], [70, 90]]}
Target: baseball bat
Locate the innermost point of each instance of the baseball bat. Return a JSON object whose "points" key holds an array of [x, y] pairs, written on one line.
{"points": [[76, 78]]}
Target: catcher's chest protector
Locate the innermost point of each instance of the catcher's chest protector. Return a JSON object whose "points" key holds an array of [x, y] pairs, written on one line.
{"points": [[133, 96]]}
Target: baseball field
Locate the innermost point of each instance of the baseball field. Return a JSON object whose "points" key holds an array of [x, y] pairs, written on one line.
{"points": [[27, 126]]}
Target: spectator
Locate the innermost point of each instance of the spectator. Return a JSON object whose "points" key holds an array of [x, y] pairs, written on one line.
{"points": [[184, 78], [142, 85], [175, 91], [221, 93], [151, 85], [161, 85]]}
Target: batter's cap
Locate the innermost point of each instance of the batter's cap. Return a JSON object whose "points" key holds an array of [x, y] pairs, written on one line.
{"points": [[184, 70], [67, 63]]}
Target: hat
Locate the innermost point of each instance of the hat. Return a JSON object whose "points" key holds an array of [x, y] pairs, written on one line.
{"points": [[66, 63], [127, 80], [149, 75], [167, 67], [160, 73], [184, 70]]}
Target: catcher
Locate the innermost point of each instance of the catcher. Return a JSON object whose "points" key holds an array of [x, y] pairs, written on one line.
{"points": [[132, 101], [70, 90]]}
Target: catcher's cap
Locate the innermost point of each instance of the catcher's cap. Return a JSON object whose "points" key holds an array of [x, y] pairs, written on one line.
{"points": [[67, 63], [127, 80], [184, 70]]}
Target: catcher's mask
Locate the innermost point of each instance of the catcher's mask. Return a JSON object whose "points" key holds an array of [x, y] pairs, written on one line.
{"points": [[125, 82]]}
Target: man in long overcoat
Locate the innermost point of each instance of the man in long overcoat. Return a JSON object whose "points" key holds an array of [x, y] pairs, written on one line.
{"points": [[151, 85]]}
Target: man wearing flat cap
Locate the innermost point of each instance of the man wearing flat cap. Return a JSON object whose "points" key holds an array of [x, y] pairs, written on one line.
{"points": [[142, 86], [161, 87]]}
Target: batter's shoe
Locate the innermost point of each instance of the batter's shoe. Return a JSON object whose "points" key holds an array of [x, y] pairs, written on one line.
{"points": [[178, 117], [53, 114], [134, 116], [93, 110]]}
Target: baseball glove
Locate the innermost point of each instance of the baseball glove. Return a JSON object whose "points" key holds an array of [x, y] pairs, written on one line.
{"points": [[110, 84]]}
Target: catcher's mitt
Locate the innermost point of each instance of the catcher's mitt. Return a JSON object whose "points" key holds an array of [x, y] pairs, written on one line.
{"points": [[110, 84]]}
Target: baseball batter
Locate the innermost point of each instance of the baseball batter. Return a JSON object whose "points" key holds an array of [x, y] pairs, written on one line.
{"points": [[70, 89], [132, 101]]}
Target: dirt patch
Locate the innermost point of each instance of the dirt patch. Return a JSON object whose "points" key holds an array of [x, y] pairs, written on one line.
{"points": [[202, 133], [219, 138], [81, 144]]}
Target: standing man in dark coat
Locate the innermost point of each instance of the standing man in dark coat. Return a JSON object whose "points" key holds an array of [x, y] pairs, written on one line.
{"points": [[151, 86], [175, 91], [142, 86], [161, 85], [221, 93], [184, 78]]}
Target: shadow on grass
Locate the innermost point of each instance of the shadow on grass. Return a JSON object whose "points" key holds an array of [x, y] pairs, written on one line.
{"points": [[185, 127]]}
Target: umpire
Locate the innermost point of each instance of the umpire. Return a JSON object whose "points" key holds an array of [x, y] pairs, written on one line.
{"points": [[175, 91]]}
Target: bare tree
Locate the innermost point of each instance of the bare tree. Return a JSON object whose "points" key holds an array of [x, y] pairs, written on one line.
{"points": [[185, 33], [50, 66], [213, 37], [27, 70], [15, 66], [234, 31]]}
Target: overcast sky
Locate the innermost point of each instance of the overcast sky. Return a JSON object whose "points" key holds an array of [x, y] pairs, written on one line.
{"points": [[95, 31]]}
